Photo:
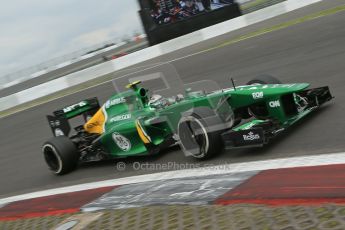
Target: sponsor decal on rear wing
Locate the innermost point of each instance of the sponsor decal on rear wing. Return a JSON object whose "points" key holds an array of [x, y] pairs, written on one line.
{"points": [[86, 107], [59, 121]]}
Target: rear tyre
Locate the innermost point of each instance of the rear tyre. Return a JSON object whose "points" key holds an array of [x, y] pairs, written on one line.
{"points": [[60, 154], [199, 132]]}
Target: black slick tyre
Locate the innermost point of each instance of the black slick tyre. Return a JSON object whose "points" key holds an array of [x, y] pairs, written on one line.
{"points": [[199, 133], [259, 110], [264, 79], [60, 154]]}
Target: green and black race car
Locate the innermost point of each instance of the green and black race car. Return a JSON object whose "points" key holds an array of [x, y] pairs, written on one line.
{"points": [[133, 123]]}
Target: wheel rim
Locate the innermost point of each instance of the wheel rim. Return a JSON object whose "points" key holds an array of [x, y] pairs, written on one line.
{"points": [[52, 158], [193, 137]]}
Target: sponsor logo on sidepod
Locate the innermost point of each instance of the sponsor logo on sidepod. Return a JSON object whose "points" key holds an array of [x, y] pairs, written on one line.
{"points": [[122, 142], [121, 117], [115, 101]]}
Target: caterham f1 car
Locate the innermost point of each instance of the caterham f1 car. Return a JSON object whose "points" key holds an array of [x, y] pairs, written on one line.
{"points": [[133, 123]]}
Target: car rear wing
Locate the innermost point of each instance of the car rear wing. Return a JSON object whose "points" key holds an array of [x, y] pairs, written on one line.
{"points": [[59, 121]]}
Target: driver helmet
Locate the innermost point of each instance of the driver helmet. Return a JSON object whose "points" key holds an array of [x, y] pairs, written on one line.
{"points": [[157, 101]]}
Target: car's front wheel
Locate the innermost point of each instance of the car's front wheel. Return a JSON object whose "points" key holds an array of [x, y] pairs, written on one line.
{"points": [[259, 110], [264, 79], [60, 154], [199, 133]]}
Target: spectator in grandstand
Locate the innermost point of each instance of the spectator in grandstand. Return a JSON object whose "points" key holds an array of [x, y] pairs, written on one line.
{"points": [[167, 6], [189, 6], [167, 11]]}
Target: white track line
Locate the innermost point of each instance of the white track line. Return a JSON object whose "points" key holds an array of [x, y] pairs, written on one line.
{"points": [[325, 159]]}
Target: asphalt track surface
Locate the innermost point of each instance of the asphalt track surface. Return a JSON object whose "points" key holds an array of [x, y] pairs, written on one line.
{"points": [[312, 51]]}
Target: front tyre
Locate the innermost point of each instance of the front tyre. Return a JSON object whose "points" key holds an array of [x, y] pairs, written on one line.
{"points": [[263, 80], [259, 110], [199, 133], [60, 154]]}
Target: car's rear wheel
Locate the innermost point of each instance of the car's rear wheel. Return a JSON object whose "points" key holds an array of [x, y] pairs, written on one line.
{"points": [[60, 154], [199, 133], [259, 110]]}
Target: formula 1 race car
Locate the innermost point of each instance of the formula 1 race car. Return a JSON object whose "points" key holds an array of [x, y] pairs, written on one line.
{"points": [[133, 123]]}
